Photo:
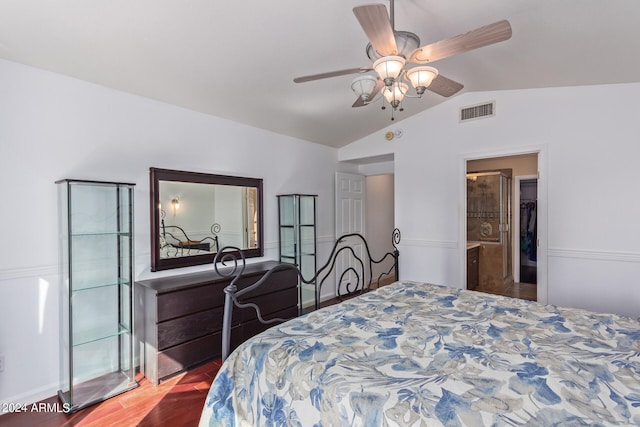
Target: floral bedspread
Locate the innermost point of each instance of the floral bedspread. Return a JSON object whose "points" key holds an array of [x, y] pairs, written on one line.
{"points": [[415, 354]]}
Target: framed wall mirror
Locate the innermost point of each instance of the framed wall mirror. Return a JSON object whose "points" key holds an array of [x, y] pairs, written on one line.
{"points": [[194, 214]]}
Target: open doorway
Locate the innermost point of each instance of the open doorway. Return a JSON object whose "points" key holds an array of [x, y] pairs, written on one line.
{"points": [[377, 201], [493, 258], [365, 204]]}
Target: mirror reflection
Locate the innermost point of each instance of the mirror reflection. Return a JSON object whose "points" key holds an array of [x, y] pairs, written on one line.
{"points": [[199, 218], [194, 215]]}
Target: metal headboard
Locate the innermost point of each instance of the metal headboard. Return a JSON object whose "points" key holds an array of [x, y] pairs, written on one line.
{"points": [[361, 269], [357, 276]]}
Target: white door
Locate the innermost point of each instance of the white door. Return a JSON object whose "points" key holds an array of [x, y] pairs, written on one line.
{"points": [[350, 215]]}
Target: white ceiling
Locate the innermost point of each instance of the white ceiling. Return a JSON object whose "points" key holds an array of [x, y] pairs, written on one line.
{"points": [[237, 59]]}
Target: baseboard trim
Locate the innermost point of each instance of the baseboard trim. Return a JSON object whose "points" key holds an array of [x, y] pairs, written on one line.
{"points": [[32, 396]]}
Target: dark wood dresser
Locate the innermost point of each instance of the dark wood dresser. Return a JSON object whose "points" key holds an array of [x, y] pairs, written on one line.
{"points": [[179, 318]]}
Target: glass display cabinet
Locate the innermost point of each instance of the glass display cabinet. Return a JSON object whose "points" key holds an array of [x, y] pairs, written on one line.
{"points": [[297, 223], [96, 272]]}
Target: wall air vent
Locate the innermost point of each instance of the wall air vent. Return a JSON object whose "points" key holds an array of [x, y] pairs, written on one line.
{"points": [[479, 111]]}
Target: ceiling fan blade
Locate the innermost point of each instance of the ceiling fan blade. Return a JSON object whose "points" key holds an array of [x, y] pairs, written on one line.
{"points": [[483, 36], [359, 103], [374, 20], [444, 86], [331, 74], [372, 96]]}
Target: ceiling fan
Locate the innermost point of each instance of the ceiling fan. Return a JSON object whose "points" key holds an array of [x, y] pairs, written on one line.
{"points": [[391, 51]]}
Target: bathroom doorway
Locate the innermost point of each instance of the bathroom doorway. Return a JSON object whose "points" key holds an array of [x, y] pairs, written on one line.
{"points": [[503, 253]]}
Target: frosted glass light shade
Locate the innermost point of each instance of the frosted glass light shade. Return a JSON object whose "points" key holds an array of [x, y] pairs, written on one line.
{"points": [[395, 94], [421, 77], [362, 86], [389, 68]]}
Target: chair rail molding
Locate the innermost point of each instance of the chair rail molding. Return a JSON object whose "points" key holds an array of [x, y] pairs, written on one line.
{"points": [[37, 271], [595, 255]]}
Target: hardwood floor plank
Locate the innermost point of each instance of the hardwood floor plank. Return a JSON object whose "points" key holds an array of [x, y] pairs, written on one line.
{"points": [[177, 402]]}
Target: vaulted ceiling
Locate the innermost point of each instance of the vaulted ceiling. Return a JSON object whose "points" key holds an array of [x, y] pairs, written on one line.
{"points": [[237, 59]]}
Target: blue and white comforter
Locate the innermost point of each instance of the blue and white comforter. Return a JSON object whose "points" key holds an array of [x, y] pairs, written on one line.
{"points": [[412, 354]]}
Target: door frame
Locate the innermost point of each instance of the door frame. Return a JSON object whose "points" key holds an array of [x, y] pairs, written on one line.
{"points": [[541, 211]]}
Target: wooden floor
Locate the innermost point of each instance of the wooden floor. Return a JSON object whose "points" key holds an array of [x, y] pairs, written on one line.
{"points": [[177, 402], [526, 291]]}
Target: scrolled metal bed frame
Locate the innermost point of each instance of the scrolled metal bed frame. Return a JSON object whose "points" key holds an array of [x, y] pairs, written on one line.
{"points": [[172, 230], [361, 269]]}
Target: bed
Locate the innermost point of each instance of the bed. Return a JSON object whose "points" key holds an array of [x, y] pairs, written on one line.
{"points": [[418, 354]]}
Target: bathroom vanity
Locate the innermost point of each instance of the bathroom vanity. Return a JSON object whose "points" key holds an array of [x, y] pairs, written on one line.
{"points": [[473, 265]]}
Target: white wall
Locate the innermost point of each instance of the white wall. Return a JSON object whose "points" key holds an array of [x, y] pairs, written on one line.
{"points": [[589, 139], [54, 127]]}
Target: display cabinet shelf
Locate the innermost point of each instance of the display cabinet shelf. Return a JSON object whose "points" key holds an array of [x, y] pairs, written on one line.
{"points": [[99, 334], [297, 224], [88, 287], [96, 276], [114, 233]]}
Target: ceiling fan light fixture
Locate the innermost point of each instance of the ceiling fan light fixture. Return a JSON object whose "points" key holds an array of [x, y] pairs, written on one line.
{"points": [[363, 86], [406, 44], [391, 51], [395, 94], [421, 77], [389, 68]]}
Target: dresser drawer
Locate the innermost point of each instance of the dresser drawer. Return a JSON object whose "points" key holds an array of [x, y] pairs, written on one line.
{"points": [[180, 303], [280, 280], [179, 319], [245, 330], [181, 357], [269, 304], [186, 328]]}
